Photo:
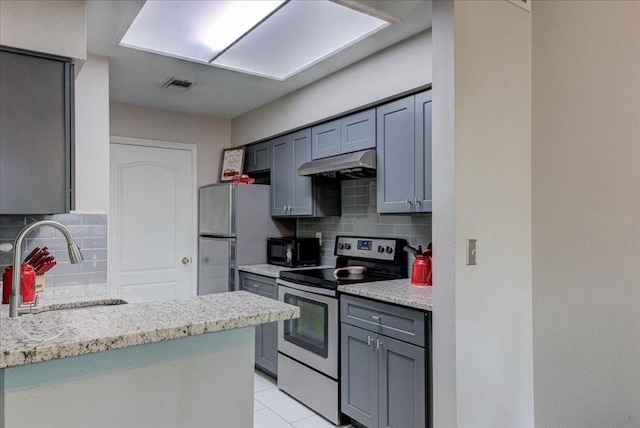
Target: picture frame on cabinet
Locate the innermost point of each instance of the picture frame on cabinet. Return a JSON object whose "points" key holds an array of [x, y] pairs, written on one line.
{"points": [[232, 163]]}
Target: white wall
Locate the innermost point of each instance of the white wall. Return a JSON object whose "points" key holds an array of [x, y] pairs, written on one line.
{"points": [[400, 68], [54, 27], [586, 211], [443, 218], [92, 136], [209, 133], [488, 156], [494, 337]]}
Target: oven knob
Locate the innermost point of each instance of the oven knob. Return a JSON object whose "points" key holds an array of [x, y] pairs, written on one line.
{"points": [[347, 246], [341, 246], [380, 249], [389, 250]]}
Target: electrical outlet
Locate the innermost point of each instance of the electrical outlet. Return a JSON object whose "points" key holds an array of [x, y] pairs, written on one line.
{"points": [[319, 236], [471, 251]]}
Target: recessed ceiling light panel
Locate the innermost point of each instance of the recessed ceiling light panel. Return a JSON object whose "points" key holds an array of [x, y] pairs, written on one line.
{"points": [[298, 35], [235, 34], [194, 30]]}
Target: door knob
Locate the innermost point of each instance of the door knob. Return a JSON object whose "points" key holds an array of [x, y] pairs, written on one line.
{"points": [[185, 260]]}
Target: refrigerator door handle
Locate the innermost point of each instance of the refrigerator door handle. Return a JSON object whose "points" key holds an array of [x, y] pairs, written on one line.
{"points": [[233, 265]]}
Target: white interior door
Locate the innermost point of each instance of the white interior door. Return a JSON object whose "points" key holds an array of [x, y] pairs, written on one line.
{"points": [[152, 218]]}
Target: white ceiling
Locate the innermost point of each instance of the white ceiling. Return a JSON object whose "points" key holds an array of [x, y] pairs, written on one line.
{"points": [[136, 77]]}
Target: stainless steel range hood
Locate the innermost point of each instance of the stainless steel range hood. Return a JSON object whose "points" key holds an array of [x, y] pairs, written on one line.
{"points": [[350, 165]]}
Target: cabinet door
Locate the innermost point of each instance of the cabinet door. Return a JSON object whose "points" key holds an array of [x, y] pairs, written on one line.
{"points": [[36, 130], [395, 156], [423, 201], [258, 157], [281, 176], [358, 131], [267, 348], [402, 384], [359, 375], [302, 201], [325, 140]]}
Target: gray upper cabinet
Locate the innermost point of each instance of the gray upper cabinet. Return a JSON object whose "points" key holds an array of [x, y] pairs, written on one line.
{"points": [[325, 140], [282, 175], [257, 157], [291, 194], [302, 201], [423, 194], [36, 134], [358, 131], [404, 155], [348, 134]]}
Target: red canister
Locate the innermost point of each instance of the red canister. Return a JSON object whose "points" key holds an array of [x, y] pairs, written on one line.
{"points": [[422, 271], [27, 283]]}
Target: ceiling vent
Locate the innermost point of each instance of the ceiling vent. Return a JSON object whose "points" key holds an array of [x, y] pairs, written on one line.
{"points": [[178, 84]]}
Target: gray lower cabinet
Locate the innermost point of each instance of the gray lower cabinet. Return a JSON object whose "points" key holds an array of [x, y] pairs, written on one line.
{"points": [[384, 380], [257, 157], [347, 134], [266, 351], [291, 194], [404, 155], [36, 133]]}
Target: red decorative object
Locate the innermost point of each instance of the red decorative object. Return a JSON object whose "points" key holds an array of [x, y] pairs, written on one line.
{"points": [[27, 283]]}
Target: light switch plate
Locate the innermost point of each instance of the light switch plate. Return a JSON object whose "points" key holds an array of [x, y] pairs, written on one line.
{"points": [[471, 251]]}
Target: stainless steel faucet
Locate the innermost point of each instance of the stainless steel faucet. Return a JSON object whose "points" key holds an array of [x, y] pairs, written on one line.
{"points": [[75, 256]]}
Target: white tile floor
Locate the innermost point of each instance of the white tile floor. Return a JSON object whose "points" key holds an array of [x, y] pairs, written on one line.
{"points": [[273, 408]]}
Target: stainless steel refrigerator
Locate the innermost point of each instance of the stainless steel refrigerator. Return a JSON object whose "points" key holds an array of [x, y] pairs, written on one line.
{"points": [[234, 224]]}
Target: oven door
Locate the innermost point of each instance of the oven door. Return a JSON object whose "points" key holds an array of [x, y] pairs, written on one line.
{"points": [[311, 339]]}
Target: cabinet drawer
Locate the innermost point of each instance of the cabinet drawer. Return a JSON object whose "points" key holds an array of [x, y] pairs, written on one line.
{"points": [[400, 323], [259, 284]]}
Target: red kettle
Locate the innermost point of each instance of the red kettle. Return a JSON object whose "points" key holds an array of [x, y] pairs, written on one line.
{"points": [[422, 270]]}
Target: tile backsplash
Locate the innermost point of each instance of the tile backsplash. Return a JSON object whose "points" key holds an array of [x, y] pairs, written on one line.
{"points": [[359, 218], [89, 232]]}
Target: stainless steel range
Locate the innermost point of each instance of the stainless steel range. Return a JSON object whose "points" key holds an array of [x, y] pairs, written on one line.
{"points": [[308, 347]]}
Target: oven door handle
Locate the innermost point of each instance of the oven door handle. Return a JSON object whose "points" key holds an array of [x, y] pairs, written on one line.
{"points": [[307, 288]]}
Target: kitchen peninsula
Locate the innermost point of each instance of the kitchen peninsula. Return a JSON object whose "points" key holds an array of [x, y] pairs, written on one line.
{"points": [[142, 364]]}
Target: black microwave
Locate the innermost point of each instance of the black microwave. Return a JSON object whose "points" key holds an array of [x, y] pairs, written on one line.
{"points": [[293, 252]]}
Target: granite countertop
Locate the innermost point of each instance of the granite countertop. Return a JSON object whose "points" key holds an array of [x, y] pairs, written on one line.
{"points": [[272, 270], [398, 291], [56, 334]]}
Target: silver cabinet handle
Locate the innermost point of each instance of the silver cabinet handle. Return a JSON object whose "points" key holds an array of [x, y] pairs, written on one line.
{"points": [[284, 208], [376, 318], [416, 201], [369, 340], [379, 343], [185, 260], [407, 201]]}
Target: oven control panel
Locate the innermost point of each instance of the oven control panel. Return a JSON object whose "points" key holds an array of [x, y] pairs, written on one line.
{"points": [[370, 248]]}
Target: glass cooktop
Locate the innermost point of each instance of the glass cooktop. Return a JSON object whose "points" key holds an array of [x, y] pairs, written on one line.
{"points": [[326, 279]]}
